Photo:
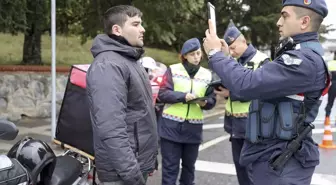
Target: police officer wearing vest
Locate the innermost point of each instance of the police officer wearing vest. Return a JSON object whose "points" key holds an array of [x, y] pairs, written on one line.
{"points": [[181, 122], [236, 108], [332, 90], [279, 115]]}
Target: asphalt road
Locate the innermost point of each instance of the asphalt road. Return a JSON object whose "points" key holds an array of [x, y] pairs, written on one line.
{"points": [[214, 165]]}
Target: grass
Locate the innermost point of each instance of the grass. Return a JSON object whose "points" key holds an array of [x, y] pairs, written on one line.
{"points": [[68, 51]]}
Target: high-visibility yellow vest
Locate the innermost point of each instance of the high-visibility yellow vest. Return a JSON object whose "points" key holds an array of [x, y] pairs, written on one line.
{"points": [[183, 83], [332, 65], [241, 109]]}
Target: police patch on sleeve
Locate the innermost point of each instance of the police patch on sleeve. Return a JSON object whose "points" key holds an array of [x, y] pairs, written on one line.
{"points": [[290, 60]]}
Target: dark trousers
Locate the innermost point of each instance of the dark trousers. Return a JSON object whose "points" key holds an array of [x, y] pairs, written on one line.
{"points": [[331, 98], [171, 153], [292, 174], [244, 174]]}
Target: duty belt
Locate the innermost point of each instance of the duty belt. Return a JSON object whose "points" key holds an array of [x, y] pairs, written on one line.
{"points": [[237, 115]]}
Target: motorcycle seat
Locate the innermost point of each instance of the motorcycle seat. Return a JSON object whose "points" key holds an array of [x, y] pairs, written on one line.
{"points": [[67, 171]]}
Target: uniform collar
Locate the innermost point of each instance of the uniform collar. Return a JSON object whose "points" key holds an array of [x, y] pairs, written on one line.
{"points": [[247, 55], [304, 37]]}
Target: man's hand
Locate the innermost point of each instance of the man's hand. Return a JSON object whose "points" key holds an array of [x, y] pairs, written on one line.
{"points": [[156, 167], [222, 92], [202, 103], [225, 47], [189, 97], [211, 40]]}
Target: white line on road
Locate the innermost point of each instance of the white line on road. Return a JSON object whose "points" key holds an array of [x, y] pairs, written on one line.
{"points": [[212, 126], [213, 142], [321, 130], [229, 169], [320, 122]]}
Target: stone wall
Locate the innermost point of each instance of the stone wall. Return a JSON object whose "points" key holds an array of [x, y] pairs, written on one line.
{"points": [[29, 94]]}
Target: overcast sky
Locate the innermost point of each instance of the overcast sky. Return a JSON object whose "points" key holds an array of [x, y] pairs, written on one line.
{"points": [[331, 18]]}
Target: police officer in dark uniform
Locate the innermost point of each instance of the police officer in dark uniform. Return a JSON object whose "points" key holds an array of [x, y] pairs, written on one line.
{"points": [[285, 96], [332, 90], [236, 108]]}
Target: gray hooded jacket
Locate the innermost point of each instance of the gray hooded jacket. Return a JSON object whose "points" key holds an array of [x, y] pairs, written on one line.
{"points": [[122, 112]]}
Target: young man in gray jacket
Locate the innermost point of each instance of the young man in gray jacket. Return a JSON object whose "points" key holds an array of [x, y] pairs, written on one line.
{"points": [[120, 100]]}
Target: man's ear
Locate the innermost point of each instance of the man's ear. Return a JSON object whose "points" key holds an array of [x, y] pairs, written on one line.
{"points": [[244, 41], [116, 30], [305, 22]]}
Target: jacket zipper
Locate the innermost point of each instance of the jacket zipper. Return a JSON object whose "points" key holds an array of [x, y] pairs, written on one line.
{"points": [[190, 92], [136, 140]]}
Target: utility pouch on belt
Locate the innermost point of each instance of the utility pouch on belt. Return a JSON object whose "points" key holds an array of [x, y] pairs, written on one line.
{"points": [[286, 125], [252, 127], [268, 120]]}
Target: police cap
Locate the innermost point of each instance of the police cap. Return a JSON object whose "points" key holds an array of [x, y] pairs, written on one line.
{"points": [[318, 6]]}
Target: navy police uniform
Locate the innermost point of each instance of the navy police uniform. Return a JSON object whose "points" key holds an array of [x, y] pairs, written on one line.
{"points": [[332, 90], [276, 91], [235, 126], [180, 140]]}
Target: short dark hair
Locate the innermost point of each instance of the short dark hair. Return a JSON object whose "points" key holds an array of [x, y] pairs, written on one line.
{"points": [[316, 19], [118, 15]]}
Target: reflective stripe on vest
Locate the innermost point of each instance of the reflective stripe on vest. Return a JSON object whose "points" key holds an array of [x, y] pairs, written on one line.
{"points": [[332, 65], [241, 109], [183, 83]]}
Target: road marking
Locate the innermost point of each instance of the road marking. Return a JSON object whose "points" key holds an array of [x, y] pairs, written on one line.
{"points": [[212, 126], [213, 142], [229, 169], [321, 122], [323, 179]]}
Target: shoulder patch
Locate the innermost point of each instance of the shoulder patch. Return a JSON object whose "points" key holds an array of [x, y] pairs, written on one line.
{"points": [[290, 60]]}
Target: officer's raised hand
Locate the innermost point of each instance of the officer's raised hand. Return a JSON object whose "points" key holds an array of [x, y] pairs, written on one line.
{"points": [[212, 42], [225, 47]]}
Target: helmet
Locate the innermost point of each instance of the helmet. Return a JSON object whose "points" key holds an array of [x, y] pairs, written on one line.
{"points": [[148, 62], [36, 156]]}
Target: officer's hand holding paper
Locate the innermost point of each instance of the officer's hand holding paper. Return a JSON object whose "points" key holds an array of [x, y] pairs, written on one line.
{"points": [[189, 97]]}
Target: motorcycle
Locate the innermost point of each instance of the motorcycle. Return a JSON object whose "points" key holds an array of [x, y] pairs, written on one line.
{"points": [[33, 162]]}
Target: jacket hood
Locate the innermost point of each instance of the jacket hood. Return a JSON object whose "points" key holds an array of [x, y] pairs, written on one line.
{"points": [[103, 43]]}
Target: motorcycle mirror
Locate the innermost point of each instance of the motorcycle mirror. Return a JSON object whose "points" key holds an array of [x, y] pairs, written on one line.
{"points": [[8, 130]]}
